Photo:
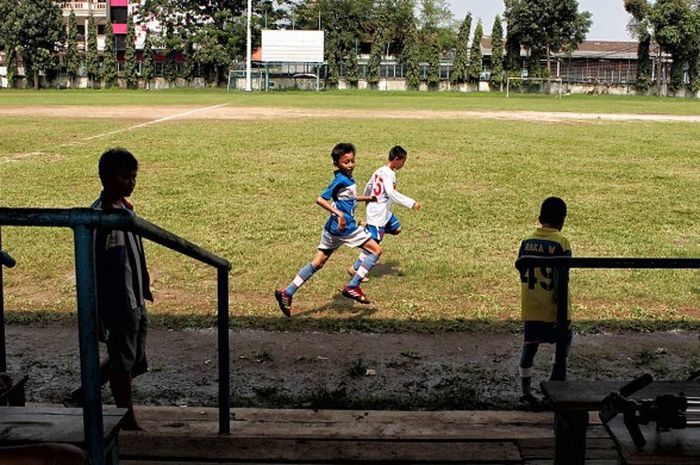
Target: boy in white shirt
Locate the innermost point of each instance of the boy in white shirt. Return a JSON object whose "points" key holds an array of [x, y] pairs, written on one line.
{"points": [[382, 185]]}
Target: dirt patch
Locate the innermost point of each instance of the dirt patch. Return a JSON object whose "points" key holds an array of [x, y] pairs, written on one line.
{"points": [[162, 113], [347, 370]]}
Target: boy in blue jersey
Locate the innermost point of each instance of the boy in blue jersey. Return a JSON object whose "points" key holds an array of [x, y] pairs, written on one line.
{"points": [[339, 199], [538, 291]]}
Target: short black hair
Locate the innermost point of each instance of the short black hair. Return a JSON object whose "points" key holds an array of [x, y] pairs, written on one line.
{"points": [[397, 152], [341, 149], [553, 210], [117, 160]]}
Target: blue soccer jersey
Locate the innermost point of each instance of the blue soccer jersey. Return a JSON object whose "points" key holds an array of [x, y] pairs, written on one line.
{"points": [[342, 191]]}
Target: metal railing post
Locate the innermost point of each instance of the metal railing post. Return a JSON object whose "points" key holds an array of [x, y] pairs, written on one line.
{"points": [[562, 329], [89, 350], [3, 352], [224, 352]]}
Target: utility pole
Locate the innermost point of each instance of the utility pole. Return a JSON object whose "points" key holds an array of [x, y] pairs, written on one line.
{"points": [[248, 49]]}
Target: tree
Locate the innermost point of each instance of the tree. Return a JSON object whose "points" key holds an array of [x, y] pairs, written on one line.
{"points": [[436, 25], [475, 55], [332, 53], [148, 70], [210, 54], [496, 77], [352, 73], [677, 31], [411, 56], [109, 58], [346, 23], [640, 26], [92, 59], [546, 27], [32, 29], [130, 55], [72, 56], [434, 65], [460, 64], [375, 58]]}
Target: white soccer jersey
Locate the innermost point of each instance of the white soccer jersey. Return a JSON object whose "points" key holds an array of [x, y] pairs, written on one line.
{"points": [[382, 184]]}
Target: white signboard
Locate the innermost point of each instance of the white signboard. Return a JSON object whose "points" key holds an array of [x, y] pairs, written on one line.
{"points": [[292, 46]]}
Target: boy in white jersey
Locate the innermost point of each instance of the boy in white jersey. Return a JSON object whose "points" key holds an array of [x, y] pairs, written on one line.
{"points": [[339, 199], [379, 218]]}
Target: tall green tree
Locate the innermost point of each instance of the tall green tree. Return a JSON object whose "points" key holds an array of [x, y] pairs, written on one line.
{"points": [[475, 55], [210, 54], [436, 25], [34, 30], [677, 31], [496, 76], [92, 57], [72, 56], [148, 70], [640, 26], [332, 58], [130, 64], [345, 23], [546, 27], [410, 56], [352, 73], [375, 58], [434, 66], [109, 58], [460, 63]]}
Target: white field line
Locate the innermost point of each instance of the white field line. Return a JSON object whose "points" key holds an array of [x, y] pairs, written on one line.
{"points": [[155, 121], [21, 156]]}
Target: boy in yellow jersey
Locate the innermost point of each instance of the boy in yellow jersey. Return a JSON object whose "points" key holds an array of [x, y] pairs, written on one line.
{"points": [[539, 306]]}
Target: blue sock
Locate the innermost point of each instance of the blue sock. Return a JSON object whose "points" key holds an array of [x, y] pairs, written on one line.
{"points": [[367, 264], [303, 276], [356, 265]]}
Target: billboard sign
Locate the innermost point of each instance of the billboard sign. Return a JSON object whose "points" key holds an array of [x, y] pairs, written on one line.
{"points": [[292, 46]]}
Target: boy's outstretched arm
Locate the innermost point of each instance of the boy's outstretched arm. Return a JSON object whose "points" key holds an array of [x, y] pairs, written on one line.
{"points": [[326, 205]]}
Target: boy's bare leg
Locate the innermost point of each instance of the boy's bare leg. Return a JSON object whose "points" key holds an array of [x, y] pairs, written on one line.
{"points": [[120, 382], [75, 398]]}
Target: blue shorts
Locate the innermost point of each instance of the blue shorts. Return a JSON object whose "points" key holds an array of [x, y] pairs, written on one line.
{"points": [[393, 226], [542, 331]]}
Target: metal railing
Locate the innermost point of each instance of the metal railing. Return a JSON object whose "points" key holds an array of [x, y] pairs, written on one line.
{"points": [[84, 221], [561, 267]]}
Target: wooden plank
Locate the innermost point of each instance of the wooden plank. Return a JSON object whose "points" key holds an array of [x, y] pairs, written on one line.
{"points": [[340, 425], [150, 446], [338, 416], [27, 424]]}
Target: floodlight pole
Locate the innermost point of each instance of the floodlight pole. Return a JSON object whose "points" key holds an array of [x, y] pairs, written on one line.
{"points": [[248, 48]]}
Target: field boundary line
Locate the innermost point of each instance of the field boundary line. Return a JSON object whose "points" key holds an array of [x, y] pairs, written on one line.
{"points": [[155, 121], [21, 156]]}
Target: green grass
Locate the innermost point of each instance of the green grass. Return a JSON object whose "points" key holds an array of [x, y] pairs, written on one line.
{"points": [[356, 100], [245, 190]]}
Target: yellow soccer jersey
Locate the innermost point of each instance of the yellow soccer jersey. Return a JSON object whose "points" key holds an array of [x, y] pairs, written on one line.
{"points": [[538, 294]]}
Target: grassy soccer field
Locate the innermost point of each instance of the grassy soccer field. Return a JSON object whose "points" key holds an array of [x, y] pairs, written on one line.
{"points": [[245, 190]]}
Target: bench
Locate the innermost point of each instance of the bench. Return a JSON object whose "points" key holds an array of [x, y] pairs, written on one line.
{"points": [[572, 400], [29, 425]]}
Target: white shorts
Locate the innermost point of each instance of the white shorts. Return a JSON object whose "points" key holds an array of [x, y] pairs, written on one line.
{"points": [[331, 242]]}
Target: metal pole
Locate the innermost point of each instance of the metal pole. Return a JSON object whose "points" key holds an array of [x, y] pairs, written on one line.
{"points": [[89, 350], [224, 354], [248, 48], [3, 353], [562, 293]]}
